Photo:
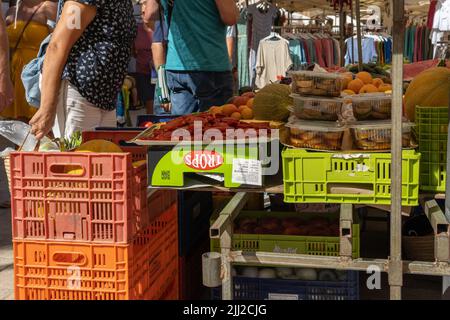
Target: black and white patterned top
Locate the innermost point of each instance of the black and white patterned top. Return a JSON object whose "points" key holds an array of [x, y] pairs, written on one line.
{"points": [[98, 62]]}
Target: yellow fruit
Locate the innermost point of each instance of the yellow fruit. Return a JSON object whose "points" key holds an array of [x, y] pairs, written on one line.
{"points": [[137, 164], [364, 77], [385, 88], [349, 92], [215, 110], [348, 76], [428, 89], [242, 108], [99, 146], [355, 85], [236, 115], [247, 113], [377, 82], [368, 88], [250, 103], [229, 109]]}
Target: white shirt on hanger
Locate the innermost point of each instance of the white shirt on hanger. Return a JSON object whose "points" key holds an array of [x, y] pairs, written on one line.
{"points": [[272, 62]]}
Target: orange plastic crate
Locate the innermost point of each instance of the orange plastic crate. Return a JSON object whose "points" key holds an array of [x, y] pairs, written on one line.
{"points": [[104, 203], [47, 270]]}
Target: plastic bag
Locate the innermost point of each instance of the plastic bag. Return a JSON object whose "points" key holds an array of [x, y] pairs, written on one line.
{"points": [[18, 133]]}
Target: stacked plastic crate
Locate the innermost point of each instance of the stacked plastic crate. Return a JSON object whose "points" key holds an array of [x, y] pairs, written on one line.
{"points": [[361, 126], [432, 136], [89, 234]]}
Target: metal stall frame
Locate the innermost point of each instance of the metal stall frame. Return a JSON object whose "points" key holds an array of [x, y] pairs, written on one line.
{"points": [[222, 228]]}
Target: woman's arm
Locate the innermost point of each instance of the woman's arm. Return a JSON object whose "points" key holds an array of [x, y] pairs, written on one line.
{"points": [[151, 12], [50, 10], [229, 13], [6, 90], [63, 39]]}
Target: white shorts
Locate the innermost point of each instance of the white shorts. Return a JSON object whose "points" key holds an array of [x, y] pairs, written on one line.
{"points": [[75, 113]]}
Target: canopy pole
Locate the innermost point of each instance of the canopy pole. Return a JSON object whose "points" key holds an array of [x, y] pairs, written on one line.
{"points": [[395, 259], [358, 34], [342, 22]]}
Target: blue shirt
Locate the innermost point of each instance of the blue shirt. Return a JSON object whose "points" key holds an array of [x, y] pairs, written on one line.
{"points": [[369, 54], [197, 37]]}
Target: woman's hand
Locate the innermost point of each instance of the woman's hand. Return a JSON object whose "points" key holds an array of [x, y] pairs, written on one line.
{"points": [[42, 122]]}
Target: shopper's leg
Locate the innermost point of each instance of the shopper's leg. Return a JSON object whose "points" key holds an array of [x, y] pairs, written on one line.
{"points": [[81, 114], [59, 126], [108, 119], [212, 88], [181, 93]]}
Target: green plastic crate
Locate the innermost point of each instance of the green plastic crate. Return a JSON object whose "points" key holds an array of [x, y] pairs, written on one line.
{"points": [[432, 134], [319, 246], [309, 177]]}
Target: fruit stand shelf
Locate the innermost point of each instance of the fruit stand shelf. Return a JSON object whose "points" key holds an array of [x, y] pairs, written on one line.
{"points": [[222, 229]]}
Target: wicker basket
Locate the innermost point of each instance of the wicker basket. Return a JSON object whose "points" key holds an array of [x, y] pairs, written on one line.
{"points": [[419, 248], [6, 163]]}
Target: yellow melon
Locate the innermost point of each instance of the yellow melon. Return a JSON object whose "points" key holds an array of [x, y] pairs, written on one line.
{"points": [[428, 89]]}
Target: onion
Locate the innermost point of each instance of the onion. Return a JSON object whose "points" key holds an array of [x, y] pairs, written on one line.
{"points": [[341, 275], [306, 274], [285, 273], [267, 273], [250, 272], [327, 275]]}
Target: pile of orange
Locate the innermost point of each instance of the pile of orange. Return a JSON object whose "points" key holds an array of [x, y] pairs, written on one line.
{"points": [[240, 108], [364, 83]]}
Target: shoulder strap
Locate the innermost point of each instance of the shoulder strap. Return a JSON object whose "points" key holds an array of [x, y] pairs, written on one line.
{"points": [[26, 25]]}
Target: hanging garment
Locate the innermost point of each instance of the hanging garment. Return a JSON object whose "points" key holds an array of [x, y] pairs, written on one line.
{"points": [[242, 50], [262, 22], [369, 53], [273, 61], [431, 13], [441, 23], [295, 50]]}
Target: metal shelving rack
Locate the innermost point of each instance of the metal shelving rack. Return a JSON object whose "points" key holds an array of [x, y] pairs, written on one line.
{"points": [[394, 265]]}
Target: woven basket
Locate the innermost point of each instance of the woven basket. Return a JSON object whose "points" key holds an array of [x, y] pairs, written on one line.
{"points": [[7, 164], [419, 248]]}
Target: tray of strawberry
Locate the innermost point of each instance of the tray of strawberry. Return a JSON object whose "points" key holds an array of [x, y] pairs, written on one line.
{"points": [[206, 127]]}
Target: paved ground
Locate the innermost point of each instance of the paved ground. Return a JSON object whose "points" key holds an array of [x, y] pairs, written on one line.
{"points": [[6, 257]]}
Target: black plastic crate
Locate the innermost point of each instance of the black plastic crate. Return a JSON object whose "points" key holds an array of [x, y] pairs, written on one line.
{"points": [[194, 211], [279, 289]]}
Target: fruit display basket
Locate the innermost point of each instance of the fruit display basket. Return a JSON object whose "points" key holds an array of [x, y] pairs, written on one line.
{"points": [[319, 135], [365, 178], [53, 270], [377, 135], [432, 135], [371, 106], [324, 245], [316, 108], [310, 83], [102, 199], [281, 289]]}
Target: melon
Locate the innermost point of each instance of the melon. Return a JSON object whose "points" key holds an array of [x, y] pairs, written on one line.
{"points": [[272, 102], [429, 88], [97, 146]]}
